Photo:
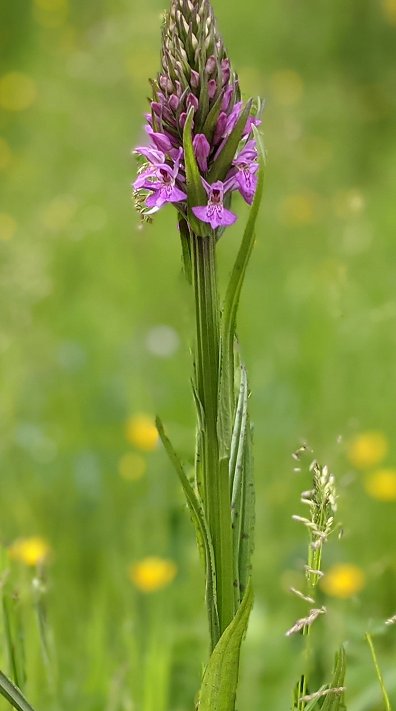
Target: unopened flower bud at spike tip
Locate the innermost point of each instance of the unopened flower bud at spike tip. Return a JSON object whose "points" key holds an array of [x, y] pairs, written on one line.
{"points": [[196, 75]]}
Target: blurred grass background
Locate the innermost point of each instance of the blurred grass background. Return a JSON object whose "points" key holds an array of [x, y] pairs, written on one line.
{"points": [[93, 335]]}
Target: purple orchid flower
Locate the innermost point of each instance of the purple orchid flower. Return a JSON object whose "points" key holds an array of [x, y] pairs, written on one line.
{"points": [[214, 212], [246, 178], [160, 178], [244, 170], [152, 154], [160, 140]]}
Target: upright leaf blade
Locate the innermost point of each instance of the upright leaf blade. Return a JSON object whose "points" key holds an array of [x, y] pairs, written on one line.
{"points": [[222, 163], [195, 189], [236, 474], [334, 700], [248, 516], [226, 403], [219, 684], [13, 695], [202, 531], [380, 677]]}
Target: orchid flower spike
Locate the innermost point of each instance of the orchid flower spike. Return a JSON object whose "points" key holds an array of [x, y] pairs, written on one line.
{"points": [[196, 76]]}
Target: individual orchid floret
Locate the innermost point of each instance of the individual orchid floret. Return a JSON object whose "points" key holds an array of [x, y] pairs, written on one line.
{"points": [[246, 178], [214, 212], [160, 178]]}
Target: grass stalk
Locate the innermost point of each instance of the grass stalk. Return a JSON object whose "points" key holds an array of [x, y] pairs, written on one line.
{"points": [[387, 704]]}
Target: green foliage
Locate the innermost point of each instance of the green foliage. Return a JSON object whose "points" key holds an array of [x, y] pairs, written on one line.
{"points": [[335, 700], [221, 165], [378, 671], [202, 531], [82, 288], [219, 684], [195, 190], [13, 694]]}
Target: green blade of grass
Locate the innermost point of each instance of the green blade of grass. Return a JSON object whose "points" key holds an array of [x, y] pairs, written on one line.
{"points": [[219, 684], [379, 673], [334, 701], [13, 694], [201, 528]]}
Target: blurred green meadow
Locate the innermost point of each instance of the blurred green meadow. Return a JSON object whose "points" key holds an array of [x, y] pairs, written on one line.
{"points": [[94, 332]]}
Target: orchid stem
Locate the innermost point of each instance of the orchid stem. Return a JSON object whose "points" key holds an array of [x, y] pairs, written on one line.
{"points": [[215, 483]]}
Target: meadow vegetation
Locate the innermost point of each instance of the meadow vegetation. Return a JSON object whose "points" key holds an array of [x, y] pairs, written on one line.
{"points": [[100, 580]]}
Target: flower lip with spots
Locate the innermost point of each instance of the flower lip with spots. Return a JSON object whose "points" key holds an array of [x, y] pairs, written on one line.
{"points": [[161, 179], [214, 212]]}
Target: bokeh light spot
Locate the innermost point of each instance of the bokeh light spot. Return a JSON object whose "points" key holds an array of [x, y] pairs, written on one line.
{"points": [[299, 209], [252, 79], [344, 580], [8, 226], [367, 449], [132, 466], [152, 573], [381, 484], [162, 341], [17, 91], [5, 154], [58, 214], [389, 11], [142, 432], [348, 203], [287, 86], [51, 13]]}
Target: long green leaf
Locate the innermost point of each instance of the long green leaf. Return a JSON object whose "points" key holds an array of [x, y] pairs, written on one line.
{"points": [[220, 680], [211, 119], [236, 474], [226, 403], [248, 516], [13, 694], [202, 531], [195, 189], [222, 164]]}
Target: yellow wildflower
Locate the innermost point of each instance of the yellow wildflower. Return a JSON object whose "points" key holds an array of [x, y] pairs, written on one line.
{"points": [[142, 432], [151, 574], [343, 580], [17, 91], [132, 466], [367, 449], [381, 484], [31, 551]]}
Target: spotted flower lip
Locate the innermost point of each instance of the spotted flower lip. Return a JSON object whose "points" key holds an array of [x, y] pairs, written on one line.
{"points": [[160, 178], [214, 212]]}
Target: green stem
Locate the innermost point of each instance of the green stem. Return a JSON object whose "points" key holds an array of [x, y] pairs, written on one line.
{"points": [[379, 673], [215, 484]]}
